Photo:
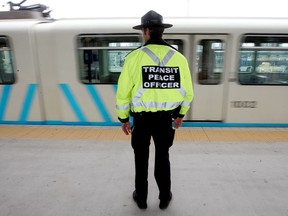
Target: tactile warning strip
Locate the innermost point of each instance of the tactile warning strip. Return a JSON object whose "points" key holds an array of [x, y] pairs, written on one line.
{"points": [[115, 133]]}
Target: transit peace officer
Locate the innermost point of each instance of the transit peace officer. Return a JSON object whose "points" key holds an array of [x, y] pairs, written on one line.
{"points": [[155, 87]]}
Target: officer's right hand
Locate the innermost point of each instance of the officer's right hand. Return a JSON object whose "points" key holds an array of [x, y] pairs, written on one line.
{"points": [[126, 128], [178, 122]]}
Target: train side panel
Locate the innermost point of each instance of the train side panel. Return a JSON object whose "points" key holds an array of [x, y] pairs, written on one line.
{"points": [[257, 104], [261, 97]]}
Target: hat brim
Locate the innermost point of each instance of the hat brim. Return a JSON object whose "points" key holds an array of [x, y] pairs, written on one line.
{"points": [[165, 25]]}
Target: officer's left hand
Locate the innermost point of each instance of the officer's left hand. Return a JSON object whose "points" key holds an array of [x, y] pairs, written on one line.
{"points": [[126, 128], [178, 122]]}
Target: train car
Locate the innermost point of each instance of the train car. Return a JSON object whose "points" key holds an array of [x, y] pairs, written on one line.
{"points": [[65, 71]]}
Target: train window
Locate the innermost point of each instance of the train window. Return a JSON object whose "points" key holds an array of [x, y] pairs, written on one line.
{"points": [[177, 44], [210, 61], [7, 75], [101, 57], [264, 60]]}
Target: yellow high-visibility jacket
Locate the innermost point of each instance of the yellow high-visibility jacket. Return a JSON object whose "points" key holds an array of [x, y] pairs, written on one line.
{"points": [[154, 78]]}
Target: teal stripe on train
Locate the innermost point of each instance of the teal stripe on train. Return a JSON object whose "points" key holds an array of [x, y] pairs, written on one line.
{"points": [[99, 103], [76, 107], [115, 88], [4, 99], [27, 103], [73, 102]]}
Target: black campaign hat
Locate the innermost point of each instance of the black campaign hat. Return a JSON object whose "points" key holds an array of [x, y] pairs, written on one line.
{"points": [[152, 18]]}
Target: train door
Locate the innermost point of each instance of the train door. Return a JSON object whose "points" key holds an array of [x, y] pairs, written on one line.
{"points": [[183, 44], [20, 89], [209, 73]]}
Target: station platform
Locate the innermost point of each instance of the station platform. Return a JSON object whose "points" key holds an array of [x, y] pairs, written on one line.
{"points": [[89, 171]]}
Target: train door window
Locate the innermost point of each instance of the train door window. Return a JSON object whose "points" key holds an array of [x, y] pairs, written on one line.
{"points": [[177, 44], [101, 57], [264, 60], [210, 61], [7, 75]]}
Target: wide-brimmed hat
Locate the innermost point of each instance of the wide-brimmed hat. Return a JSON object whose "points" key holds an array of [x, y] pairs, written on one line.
{"points": [[152, 18]]}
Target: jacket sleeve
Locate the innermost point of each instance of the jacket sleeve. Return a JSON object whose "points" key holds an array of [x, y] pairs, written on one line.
{"points": [[123, 94], [187, 85]]}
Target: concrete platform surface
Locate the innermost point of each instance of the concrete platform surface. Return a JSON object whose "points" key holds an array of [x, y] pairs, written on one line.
{"points": [[92, 177]]}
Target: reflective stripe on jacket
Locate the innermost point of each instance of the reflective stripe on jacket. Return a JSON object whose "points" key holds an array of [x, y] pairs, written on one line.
{"points": [[154, 78]]}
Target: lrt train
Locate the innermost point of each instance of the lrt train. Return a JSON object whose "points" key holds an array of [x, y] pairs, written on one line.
{"points": [[65, 71]]}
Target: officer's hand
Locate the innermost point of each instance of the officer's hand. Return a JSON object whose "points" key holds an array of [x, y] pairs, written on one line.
{"points": [[126, 128], [178, 122]]}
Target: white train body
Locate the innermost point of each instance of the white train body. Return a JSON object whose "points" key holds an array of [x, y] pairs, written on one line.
{"points": [[238, 69]]}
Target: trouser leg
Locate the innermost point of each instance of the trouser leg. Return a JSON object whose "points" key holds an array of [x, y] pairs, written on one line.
{"points": [[162, 173], [140, 143], [163, 139]]}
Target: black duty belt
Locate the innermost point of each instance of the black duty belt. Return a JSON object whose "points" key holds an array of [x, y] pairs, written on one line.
{"points": [[151, 114]]}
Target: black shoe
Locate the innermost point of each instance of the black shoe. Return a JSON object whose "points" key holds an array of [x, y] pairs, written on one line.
{"points": [[140, 204], [165, 203]]}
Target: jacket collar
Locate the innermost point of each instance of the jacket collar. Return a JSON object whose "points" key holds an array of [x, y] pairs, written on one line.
{"points": [[158, 41]]}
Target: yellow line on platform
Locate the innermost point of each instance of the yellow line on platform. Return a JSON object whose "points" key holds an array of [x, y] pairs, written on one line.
{"points": [[183, 134]]}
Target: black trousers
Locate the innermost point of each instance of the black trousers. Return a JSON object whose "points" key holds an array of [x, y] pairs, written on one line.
{"points": [[159, 127]]}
